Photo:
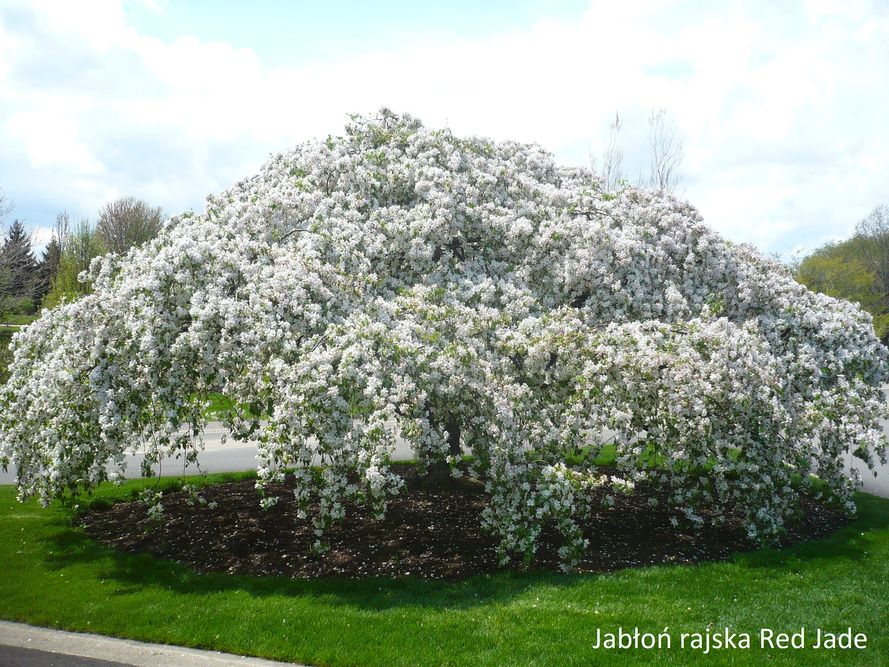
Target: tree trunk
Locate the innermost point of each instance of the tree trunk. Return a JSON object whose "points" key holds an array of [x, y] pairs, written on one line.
{"points": [[453, 429]]}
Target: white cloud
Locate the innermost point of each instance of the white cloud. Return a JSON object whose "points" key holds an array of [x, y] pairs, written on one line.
{"points": [[40, 237], [781, 105], [151, 5], [51, 136]]}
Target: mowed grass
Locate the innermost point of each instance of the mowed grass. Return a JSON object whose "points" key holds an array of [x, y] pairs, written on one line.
{"points": [[17, 320], [53, 575]]}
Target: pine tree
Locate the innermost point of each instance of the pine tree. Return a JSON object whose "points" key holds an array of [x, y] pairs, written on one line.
{"points": [[48, 267], [17, 257]]}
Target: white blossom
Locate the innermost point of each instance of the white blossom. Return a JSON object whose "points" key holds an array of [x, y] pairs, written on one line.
{"points": [[374, 286]]}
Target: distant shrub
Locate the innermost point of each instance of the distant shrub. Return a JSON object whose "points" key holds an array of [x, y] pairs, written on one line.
{"points": [[19, 305]]}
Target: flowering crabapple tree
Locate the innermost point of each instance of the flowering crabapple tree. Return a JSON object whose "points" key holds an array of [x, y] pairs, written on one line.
{"points": [[468, 297]]}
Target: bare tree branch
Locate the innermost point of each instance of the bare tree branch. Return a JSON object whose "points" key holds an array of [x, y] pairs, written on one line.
{"points": [[128, 222], [667, 148], [873, 238], [613, 158], [61, 228], [5, 206]]}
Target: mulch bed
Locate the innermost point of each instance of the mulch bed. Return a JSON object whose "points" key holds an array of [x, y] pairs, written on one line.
{"points": [[432, 530]]}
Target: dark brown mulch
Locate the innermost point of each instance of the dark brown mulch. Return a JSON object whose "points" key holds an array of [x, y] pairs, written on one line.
{"points": [[431, 530]]}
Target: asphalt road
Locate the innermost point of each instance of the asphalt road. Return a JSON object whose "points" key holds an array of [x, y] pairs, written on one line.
{"points": [[29, 646], [236, 456], [233, 456], [15, 656]]}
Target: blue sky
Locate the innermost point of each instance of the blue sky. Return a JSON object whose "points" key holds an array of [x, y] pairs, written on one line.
{"points": [[781, 105], [292, 33]]}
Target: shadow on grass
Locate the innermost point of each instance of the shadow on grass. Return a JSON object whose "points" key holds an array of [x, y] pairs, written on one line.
{"points": [[849, 542], [134, 572]]}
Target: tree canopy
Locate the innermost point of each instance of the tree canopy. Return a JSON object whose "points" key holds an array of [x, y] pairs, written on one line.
{"points": [[856, 269], [468, 297], [78, 247], [127, 223], [19, 265]]}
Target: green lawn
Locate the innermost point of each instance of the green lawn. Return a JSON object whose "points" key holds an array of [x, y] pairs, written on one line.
{"points": [[5, 353], [221, 405], [16, 320], [56, 576]]}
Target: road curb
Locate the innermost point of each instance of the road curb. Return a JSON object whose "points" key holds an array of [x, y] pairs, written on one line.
{"points": [[126, 651]]}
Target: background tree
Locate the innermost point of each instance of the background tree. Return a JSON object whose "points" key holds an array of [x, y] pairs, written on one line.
{"points": [[613, 157], [665, 158], [78, 248], [872, 240], [5, 208], [667, 148], [17, 258], [48, 267], [5, 336], [128, 222], [856, 269]]}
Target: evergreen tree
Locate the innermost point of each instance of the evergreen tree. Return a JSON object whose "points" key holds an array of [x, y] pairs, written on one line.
{"points": [[17, 257], [48, 268]]}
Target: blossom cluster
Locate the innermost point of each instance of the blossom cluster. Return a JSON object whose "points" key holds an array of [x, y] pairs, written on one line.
{"points": [[468, 297]]}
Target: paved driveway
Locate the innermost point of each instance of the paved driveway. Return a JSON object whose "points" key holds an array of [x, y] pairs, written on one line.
{"points": [[236, 456]]}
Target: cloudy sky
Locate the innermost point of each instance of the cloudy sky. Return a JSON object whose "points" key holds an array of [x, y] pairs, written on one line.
{"points": [[782, 105]]}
